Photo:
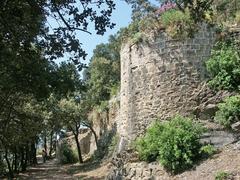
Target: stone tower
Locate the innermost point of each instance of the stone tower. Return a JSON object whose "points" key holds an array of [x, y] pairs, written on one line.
{"points": [[159, 79]]}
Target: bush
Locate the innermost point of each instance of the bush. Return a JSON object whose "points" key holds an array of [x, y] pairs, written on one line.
{"points": [[67, 154], [221, 175], [177, 23], [104, 106], [175, 144], [115, 89], [207, 150], [224, 67], [229, 111], [148, 146]]}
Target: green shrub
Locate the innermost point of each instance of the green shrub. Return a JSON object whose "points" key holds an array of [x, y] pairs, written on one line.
{"points": [[129, 32], [175, 144], [178, 23], [224, 67], [148, 146], [104, 106], [221, 175], [67, 154], [115, 89], [208, 150], [229, 111]]}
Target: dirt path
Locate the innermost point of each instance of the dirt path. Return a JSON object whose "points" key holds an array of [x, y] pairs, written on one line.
{"points": [[49, 170]]}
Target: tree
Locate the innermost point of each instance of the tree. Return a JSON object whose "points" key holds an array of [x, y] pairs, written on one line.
{"points": [[26, 22], [21, 124], [65, 79], [104, 70], [28, 46], [141, 8], [72, 115]]}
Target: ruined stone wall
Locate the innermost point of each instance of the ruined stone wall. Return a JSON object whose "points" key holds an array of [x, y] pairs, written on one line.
{"points": [[159, 79]]}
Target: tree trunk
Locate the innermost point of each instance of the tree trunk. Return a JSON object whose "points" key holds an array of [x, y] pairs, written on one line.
{"points": [[33, 154], [94, 134], [51, 144], [45, 143], [78, 148], [10, 171], [23, 165], [27, 157], [15, 162]]}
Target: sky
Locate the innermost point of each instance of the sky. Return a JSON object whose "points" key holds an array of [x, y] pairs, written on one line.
{"points": [[121, 16]]}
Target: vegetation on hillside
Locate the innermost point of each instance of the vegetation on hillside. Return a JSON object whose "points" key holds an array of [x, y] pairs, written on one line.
{"points": [[224, 66], [176, 144], [180, 18], [228, 111]]}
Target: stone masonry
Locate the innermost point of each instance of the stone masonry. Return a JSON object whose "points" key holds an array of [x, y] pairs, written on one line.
{"points": [[159, 79]]}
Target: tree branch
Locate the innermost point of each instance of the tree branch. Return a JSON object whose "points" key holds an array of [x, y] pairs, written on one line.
{"points": [[66, 23]]}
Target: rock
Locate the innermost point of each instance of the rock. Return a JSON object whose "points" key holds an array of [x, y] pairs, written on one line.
{"points": [[208, 111], [236, 146], [218, 138], [236, 126]]}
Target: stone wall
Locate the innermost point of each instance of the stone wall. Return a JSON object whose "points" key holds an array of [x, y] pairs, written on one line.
{"points": [[104, 124], [159, 79]]}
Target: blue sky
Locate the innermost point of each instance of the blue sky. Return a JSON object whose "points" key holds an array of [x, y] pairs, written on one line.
{"points": [[121, 16]]}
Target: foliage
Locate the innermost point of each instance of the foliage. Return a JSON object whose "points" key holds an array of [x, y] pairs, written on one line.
{"points": [[177, 23], [224, 67], [31, 84], [130, 31], [175, 144], [148, 146], [21, 21], [208, 150], [67, 154], [103, 76], [141, 8], [229, 111], [65, 79], [104, 106], [221, 175], [115, 89], [225, 12], [196, 8], [181, 18], [165, 7], [103, 72]]}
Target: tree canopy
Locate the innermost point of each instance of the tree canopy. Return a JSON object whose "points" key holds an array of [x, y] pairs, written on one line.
{"points": [[26, 24]]}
